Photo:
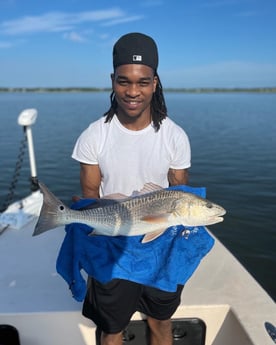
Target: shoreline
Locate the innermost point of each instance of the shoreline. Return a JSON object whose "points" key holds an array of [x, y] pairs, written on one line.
{"points": [[176, 90]]}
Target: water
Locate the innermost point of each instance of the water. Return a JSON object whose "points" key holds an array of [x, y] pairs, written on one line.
{"points": [[233, 155]]}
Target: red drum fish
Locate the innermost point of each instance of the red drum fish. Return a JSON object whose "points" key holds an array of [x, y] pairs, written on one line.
{"points": [[149, 213]]}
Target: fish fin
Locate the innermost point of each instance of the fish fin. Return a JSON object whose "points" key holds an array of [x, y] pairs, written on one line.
{"points": [[49, 213], [115, 196], [147, 188], [158, 218], [152, 236]]}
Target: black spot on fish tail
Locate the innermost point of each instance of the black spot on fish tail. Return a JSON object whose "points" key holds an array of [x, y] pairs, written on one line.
{"points": [[50, 213]]}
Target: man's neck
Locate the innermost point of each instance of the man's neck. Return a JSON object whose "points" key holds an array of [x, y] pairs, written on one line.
{"points": [[136, 123]]}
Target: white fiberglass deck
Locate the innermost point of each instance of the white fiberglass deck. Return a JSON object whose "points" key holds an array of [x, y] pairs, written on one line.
{"points": [[37, 301]]}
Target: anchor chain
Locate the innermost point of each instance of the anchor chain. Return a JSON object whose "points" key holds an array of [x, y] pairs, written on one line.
{"points": [[18, 166]]}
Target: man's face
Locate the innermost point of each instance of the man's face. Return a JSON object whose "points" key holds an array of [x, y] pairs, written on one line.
{"points": [[133, 86]]}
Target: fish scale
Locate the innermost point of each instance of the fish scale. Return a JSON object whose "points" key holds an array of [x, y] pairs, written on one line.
{"points": [[148, 214], [126, 214]]}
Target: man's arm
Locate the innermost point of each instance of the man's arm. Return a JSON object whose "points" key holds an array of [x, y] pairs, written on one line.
{"points": [[90, 180], [178, 176]]}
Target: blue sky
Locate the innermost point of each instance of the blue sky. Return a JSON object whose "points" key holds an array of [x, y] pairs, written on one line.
{"points": [[202, 43]]}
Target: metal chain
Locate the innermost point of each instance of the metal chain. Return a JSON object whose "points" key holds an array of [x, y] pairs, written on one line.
{"points": [[20, 158]]}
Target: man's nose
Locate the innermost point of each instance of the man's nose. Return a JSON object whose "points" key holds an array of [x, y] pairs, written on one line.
{"points": [[133, 90]]}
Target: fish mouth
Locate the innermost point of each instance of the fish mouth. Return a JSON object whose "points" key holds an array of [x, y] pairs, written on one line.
{"points": [[219, 219], [216, 218], [212, 220], [219, 216]]}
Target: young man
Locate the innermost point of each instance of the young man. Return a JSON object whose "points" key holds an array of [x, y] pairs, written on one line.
{"points": [[133, 144]]}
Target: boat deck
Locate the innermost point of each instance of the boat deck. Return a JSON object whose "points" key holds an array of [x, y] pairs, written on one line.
{"points": [[37, 301]]}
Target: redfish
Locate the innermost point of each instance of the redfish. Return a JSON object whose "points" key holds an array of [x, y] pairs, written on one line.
{"points": [[149, 213]]}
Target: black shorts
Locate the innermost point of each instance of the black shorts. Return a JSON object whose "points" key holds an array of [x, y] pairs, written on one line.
{"points": [[110, 306]]}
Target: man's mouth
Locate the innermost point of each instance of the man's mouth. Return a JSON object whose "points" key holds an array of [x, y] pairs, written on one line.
{"points": [[132, 104]]}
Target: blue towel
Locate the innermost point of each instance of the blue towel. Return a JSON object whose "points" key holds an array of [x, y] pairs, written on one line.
{"points": [[163, 263]]}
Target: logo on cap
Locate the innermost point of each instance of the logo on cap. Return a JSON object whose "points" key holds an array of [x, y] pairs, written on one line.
{"points": [[137, 58]]}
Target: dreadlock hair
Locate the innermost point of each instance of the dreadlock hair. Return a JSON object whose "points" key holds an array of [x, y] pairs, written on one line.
{"points": [[158, 106]]}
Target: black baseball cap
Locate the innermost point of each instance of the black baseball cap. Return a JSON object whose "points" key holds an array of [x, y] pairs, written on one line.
{"points": [[135, 48]]}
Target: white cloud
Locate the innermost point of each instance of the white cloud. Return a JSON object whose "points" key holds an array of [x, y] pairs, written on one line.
{"points": [[122, 20], [9, 44], [5, 44], [74, 37], [57, 21]]}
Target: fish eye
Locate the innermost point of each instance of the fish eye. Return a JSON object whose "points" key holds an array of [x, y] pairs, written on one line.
{"points": [[209, 205], [61, 208]]}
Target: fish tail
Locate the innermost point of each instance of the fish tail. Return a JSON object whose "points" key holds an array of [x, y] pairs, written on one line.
{"points": [[50, 214]]}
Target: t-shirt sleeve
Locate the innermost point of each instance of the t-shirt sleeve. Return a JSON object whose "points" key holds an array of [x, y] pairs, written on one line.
{"points": [[85, 150], [181, 152]]}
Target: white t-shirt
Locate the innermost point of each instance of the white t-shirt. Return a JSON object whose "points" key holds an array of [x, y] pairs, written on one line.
{"points": [[129, 159]]}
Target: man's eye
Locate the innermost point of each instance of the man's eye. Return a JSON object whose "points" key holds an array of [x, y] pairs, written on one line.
{"points": [[144, 83], [122, 82]]}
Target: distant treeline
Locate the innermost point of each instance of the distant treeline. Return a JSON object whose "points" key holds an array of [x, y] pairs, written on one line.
{"points": [[96, 89]]}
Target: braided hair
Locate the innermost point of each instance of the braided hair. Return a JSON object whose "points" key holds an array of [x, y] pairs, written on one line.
{"points": [[158, 106]]}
